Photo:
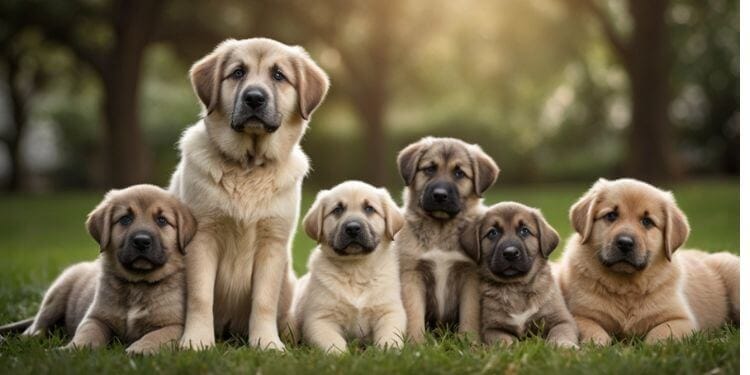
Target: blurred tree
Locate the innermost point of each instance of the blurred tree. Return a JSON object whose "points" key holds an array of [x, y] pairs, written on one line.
{"points": [[644, 55]]}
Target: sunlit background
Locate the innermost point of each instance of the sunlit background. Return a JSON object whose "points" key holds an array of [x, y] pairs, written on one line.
{"points": [[564, 90]]}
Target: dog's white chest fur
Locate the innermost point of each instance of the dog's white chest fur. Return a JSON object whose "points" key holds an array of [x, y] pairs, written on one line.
{"points": [[442, 261], [519, 319]]}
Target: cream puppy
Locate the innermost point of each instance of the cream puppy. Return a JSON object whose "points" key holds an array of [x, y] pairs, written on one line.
{"points": [[352, 289]]}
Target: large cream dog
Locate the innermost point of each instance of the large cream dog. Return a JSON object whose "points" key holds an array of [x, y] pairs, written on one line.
{"points": [[135, 291], [622, 275], [241, 173], [352, 288], [445, 179]]}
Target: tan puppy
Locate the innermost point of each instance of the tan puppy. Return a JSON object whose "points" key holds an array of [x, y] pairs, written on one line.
{"points": [[445, 179], [241, 173], [620, 274], [135, 291], [511, 242], [352, 288]]}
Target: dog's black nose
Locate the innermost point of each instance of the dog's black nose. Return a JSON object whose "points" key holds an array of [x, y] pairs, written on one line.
{"points": [[254, 98], [141, 241], [511, 253], [353, 228], [625, 243], [440, 194]]}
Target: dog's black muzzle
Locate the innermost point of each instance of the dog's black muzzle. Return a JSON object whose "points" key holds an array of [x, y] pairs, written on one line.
{"points": [[254, 110], [354, 237], [441, 200], [142, 252], [509, 259]]}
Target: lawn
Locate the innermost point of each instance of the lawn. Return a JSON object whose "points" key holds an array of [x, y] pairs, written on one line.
{"points": [[40, 235]]}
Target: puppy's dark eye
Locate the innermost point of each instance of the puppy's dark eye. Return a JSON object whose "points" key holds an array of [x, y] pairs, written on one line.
{"points": [[430, 170], [277, 75], [492, 233], [161, 221], [611, 216], [369, 209], [524, 231], [338, 210], [126, 220], [458, 173], [647, 223], [238, 73]]}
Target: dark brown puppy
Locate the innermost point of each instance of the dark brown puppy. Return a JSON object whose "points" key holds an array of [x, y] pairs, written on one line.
{"points": [[136, 289], [511, 243], [445, 179]]}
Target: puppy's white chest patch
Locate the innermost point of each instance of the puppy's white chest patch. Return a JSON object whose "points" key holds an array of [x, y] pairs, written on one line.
{"points": [[520, 319], [442, 262], [135, 314]]}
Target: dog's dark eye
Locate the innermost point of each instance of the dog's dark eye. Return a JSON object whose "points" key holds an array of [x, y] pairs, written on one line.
{"points": [[647, 222], [126, 220], [611, 216], [492, 233], [430, 170], [338, 210], [238, 73], [369, 209], [277, 75], [458, 173], [524, 231], [161, 221]]}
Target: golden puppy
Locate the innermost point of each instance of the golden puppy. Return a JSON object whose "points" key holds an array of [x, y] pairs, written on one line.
{"points": [[135, 291], [241, 173], [620, 274], [352, 287], [445, 179], [511, 242]]}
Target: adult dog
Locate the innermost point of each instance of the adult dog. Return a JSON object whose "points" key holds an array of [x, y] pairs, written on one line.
{"points": [[512, 242], [352, 288], [241, 173], [136, 290], [445, 179], [621, 274]]}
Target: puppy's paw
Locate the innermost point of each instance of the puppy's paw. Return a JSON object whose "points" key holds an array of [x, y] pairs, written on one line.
{"points": [[390, 343], [197, 343], [266, 342], [565, 344], [598, 340]]}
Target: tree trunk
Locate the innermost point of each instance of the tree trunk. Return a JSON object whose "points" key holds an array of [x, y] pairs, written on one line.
{"points": [[127, 154], [20, 116], [649, 150], [371, 107]]}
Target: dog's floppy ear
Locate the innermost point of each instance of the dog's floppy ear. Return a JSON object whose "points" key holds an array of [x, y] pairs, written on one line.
{"points": [[582, 212], [676, 228], [205, 76], [548, 237], [312, 84], [99, 222], [394, 220], [471, 240], [313, 221], [408, 159], [186, 227], [485, 170]]}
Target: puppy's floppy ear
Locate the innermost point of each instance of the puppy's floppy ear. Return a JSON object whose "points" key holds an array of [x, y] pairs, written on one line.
{"points": [[99, 222], [548, 237], [186, 226], [676, 228], [408, 159], [313, 221], [485, 170], [394, 220], [205, 76], [582, 212], [312, 84], [471, 240]]}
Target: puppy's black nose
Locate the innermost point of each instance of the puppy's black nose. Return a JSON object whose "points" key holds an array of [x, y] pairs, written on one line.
{"points": [[353, 228], [254, 98], [511, 253], [625, 243], [440, 194], [141, 241]]}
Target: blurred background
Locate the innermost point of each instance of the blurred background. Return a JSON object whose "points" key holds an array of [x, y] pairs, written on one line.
{"points": [[94, 93]]}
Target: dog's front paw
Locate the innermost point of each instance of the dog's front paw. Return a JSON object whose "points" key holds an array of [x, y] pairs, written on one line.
{"points": [[266, 342], [138, 349], [194, 342], [565, 344]]}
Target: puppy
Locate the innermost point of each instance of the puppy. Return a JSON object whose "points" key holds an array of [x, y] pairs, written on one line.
{"points": [[135, 291], [241, 173], [511, 243], [352, 287], [445, 179], [620, 274]]}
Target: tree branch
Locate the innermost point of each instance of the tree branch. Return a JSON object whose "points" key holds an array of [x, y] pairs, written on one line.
{"points": [[616, 41]]}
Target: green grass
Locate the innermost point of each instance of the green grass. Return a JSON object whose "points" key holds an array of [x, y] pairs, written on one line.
{"points": [[40, 235]]}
